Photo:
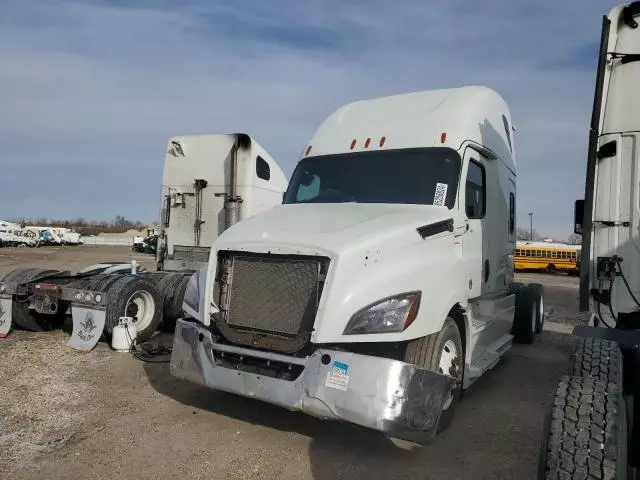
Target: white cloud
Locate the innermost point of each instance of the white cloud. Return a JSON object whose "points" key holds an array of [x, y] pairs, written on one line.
{"points": [[93, 91]]}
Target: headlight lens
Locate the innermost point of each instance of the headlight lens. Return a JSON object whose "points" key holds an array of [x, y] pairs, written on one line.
{"points": [[393, 314]]}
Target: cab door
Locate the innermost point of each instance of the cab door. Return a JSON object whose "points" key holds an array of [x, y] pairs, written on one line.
{"points": [[474, 246]]}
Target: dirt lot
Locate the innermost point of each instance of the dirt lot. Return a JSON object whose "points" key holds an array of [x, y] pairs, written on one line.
{"points": [[68, 415]]}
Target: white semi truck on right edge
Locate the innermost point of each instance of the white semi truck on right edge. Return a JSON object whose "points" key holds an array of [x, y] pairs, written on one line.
{"points": [[384, 284], [593, 428]]}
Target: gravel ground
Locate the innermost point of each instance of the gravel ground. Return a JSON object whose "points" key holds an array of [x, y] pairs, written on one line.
{"points": [[68, 415]]}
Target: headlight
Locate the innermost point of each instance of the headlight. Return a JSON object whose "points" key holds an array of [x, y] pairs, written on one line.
{"points": [[98, 298], [393, 314], [88, 298], [2, 288]]}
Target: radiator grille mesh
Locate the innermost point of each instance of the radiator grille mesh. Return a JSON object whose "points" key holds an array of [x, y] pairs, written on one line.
{"points": [[271, 294]]}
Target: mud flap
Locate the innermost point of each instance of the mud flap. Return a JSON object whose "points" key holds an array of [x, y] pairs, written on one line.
{"points": [[88, 324], [5, 315]]}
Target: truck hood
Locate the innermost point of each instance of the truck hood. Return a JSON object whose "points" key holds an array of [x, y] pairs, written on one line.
{"points": [[329, 228]]}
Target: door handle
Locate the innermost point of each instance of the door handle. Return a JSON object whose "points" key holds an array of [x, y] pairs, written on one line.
{"points": [[462, 229]]}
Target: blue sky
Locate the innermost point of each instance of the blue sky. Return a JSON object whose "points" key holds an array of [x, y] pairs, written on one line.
{"points": [[91, 91]]}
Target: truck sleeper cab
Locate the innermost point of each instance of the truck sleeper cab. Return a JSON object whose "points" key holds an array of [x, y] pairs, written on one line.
{"points": [[384, 283]]}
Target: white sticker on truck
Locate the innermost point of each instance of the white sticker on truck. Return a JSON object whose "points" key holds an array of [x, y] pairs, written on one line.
{"points": [[338, 376], [441, 194]]}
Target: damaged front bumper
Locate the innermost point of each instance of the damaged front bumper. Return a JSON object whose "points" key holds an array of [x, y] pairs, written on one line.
{"points": [[390, 396]]}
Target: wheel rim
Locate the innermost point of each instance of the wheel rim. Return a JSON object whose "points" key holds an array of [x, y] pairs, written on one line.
{"points": [[141, 307], [447, 365], [541, 310]]}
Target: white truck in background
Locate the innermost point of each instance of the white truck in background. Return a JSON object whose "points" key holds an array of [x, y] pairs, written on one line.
{"points": [[209, 183], [67, 236], [200, 199], [593, 428], [12, 235], [384, 284]]}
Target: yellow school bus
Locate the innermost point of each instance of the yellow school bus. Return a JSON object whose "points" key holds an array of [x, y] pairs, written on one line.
{"points": [[545, 256]]}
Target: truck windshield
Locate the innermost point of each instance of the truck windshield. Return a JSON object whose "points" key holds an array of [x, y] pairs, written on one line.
{"points": [[427, 176]]}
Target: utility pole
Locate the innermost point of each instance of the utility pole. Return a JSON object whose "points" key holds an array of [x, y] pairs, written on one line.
{"points": [[531, 226]]}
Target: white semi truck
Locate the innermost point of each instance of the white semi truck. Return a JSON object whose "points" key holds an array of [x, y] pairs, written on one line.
{"points": [[384, 284], [593, 428], [209, 183]]}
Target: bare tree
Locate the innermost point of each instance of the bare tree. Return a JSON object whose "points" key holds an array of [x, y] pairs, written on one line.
{"points": [[525, 234]]}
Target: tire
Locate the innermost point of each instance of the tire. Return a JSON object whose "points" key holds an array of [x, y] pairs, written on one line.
{"points": [[525, 318], [128, 296], [15, 275], [427, 352], [173, 310], [167, 286], [26, 318], [585, 434], [597, 359], [539, 298]]}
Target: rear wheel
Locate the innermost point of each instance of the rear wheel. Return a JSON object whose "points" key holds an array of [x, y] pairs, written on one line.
{"points": [[136, 297], [441, 352], [526, 316], [538, 290], [598, 359], [27, 318], [167, 286], [173, 302]]}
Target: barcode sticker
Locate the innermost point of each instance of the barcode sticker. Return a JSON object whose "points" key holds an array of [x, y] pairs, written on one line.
{"points": [[441, 194], [338, 377]]}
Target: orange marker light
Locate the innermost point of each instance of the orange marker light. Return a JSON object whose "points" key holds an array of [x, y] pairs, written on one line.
{"points": [[382, 140], [443, 137], [353, 144], [308, 150], [367, 142]]}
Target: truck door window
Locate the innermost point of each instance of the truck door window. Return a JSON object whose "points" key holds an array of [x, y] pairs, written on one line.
{"points": [[262, 169], [475, 191]]}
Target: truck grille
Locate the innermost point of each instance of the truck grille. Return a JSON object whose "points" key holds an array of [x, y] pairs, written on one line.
{"points": [[273, 293]]}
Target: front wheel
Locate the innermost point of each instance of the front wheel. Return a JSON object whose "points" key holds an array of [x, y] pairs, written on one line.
{"points": [[442, 353]]}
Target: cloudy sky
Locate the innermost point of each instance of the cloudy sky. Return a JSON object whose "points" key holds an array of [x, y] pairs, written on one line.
{"points": [[91, 91]]}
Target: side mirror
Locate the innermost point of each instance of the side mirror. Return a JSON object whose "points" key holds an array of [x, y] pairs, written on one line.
{"points": [[578, 216]]}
